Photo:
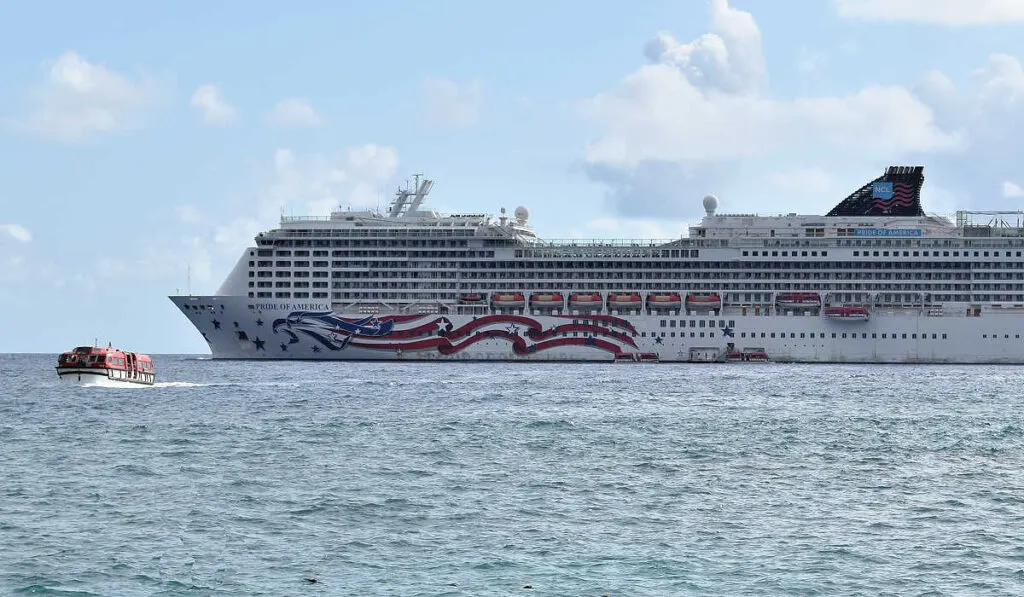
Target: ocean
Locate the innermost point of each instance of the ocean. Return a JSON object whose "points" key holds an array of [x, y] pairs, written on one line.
{"points": [[248, 478]]}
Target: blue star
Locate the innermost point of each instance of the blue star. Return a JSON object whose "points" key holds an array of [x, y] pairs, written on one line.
{"points": [[216, 324], [658, 340], [259, 322], [316, 348], [243, 336], [512, 328], [727, 332], [259, 343], [284, 347], [236, 323]]}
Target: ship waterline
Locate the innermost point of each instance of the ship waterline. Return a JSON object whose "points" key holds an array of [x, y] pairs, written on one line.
{"points": [[874, 281]]}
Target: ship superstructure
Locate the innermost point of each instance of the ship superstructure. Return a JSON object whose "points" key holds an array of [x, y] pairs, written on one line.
{"points": [[874, 280]]}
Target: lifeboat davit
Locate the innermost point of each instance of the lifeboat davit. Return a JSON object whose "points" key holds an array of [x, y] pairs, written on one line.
{"points": [[547, 300], [507, 301], [664, 302], [703, 302], [795, 301], [624, 301], [582, 302], [847, 313], [471, 298], [105, 367]]}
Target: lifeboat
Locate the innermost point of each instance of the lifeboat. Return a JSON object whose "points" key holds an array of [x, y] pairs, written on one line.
{"points": [[703, 302], [664, 302], [471, 298], [584, 302], [624, 301], [507, 301], [847, 313], [795, 301], [546, 300], [105, 367]]}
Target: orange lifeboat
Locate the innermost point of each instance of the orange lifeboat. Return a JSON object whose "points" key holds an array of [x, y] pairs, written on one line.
{"points": [[507, 301], [547, 300], [794, 301], [847, 313], [624, 301], [703, 302], [582, 301], [664, 302], [107, 367], [471, 298]]}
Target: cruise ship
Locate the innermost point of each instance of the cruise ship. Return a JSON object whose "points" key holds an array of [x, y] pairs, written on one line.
{"points": [[874, 280]]}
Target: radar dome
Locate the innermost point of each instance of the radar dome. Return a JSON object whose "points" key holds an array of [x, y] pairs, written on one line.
{"points": [[710, 204], [522, 214]]}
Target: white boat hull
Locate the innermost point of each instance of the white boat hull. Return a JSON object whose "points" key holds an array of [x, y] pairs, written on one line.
{"points": [[242, 328], [101, 378]]}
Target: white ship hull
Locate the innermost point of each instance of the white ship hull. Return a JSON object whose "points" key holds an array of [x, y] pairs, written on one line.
{"points": [[243, 328]]}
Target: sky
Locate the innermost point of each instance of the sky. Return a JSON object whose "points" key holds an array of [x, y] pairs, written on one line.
{"points": [[144, 145]]}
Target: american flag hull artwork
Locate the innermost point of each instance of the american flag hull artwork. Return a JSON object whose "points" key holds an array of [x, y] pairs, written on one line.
{"points": [[451, 335]]}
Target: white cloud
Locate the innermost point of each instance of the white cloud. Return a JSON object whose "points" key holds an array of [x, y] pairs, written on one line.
{"points": [[17, 232], [451, 104], [81, 99], [295, 111], [1012, 189], [312, 184], [729, 58], [810, 181], [209, 100], [941, 12], [679, 127]]}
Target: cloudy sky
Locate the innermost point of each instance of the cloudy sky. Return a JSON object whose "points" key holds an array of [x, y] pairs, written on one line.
{"points": [[139, 145]]}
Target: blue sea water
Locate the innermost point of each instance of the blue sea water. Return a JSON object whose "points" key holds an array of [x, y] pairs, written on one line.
{"points": [[246, 478]]}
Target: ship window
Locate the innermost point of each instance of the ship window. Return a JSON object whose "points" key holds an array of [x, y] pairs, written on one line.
{"points": [[864, 336], [673, 335], [711, 334], [856, 253], [943, 336], [702, 334], [743, 334], [844, 334], [672, 323], [824, 253], [985, 336], [803, 253], [663, 323], [904, 336], [745, 253], [701, 323], [801, 334], [833, 334], [732, 323], [693, 323], [773, 334], [814, 253], [785, 253], [885, 253]]}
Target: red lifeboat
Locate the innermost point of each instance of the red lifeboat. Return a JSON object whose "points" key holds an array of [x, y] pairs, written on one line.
{"points": [[703, 302], [582, 301], [507, 301], [664, 302], [798, 300], [624, 301], [547, 300], [110, 367], [471, 298]]}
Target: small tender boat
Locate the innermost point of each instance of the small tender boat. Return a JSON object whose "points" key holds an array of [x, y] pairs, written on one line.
{"points": [[797, 301], [507, 301], [703, 302], [847, 313], [546, 300], [664, 302], [624, 301], [106, 367]]}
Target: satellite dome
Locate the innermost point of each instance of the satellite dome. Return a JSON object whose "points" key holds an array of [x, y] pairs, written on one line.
{"points": [[522, 214], [710, 204]]}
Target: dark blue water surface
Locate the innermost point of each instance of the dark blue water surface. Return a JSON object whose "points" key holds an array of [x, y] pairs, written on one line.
{"points": [[245, 478]]}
